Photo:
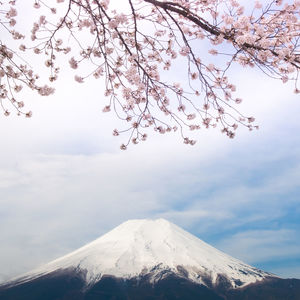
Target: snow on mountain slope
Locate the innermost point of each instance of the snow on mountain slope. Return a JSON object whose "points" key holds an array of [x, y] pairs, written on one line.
{"points": [[138, 246]]}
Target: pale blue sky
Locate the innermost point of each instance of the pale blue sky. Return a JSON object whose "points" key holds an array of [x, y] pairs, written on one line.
{"points": [[64, 181]]}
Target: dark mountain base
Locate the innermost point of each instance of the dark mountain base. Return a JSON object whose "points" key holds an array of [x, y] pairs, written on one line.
{"points": [[66, 286], [169, 288], [269, 289], [56, 286]]}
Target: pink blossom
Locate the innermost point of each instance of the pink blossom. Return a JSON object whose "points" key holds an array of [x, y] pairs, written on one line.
{"points": [[181, 107], [28, 114], [213, 52], [11, 13], [48, 63], [42, 20], [186, 140], [230, 134], [221, 110], [194, 75], [59, 42], [228, 19], [78, 79], [73, 63], [121, 18], [12, 22], [18, 88], [258, 5], [184, 51], [106, 108], [210, 67], [132, 62], [113, 23], [191, 116], [115, 132], [206, 122], [206, 106], [46, 90], [20, 104]]}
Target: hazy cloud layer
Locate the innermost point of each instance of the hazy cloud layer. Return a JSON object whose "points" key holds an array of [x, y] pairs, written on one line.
{"points": [[52, 204], [64, 181]]}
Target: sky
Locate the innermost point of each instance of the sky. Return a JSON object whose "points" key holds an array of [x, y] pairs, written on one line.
{"points": [[64, 180]]}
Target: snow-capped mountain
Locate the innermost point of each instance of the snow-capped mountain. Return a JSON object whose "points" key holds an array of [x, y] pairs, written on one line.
{"points": [[150, 246], [140, 258]]}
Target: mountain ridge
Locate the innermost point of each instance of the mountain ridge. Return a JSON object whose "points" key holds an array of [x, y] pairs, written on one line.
{"points": [[138, 246], [148, 260]]}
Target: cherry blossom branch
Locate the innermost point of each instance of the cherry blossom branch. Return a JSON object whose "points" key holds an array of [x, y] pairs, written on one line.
{"points": [[138, 50]]}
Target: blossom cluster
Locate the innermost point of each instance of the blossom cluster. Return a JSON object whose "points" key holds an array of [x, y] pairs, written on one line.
{"points": [[136, 51], [15, 72]]}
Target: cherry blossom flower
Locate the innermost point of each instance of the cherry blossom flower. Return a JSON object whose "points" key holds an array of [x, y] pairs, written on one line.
{"points": [[78, 79], [73, 63], [136, 55], [106, 108]]}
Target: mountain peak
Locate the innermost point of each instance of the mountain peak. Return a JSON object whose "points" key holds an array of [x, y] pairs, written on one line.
{"points": [[154, 247], [143, 224]]}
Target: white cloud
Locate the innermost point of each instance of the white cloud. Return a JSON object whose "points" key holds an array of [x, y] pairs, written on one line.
{"points": [[255, 246], [287, 271], [63, 180], [57, 203]]}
